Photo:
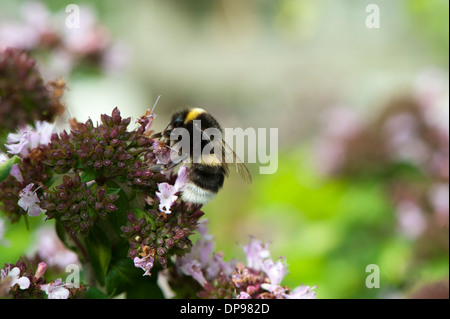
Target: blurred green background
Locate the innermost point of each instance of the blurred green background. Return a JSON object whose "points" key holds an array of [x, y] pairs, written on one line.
{"points": [[278, 63]]}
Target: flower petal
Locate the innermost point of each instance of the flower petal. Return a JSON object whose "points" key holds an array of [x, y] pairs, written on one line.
{"points": [[29, 201], [20, 147], [16, 173], [275, 271], [59, 293], [23, 282], [146, 263], [166, 197], [182, 178]]}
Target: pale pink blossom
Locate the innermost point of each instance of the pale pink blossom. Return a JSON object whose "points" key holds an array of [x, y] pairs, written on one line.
{"points": [[50, 249], [29, 201], [14, 276], [167, 192], [146, 263], [302, 292], [28, 138], [166, 197], [56, 290], [256, 253], [411, 220]]}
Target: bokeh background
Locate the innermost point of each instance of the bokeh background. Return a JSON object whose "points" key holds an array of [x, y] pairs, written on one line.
{"points": [[362, 117]]}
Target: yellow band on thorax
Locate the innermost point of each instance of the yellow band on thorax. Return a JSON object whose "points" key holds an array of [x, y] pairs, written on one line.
{"points": [[192, 115]]}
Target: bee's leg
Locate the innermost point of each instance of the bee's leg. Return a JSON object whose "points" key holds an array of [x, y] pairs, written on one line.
{"points": [[178, 161], [157, 168], [165, 134], [165, 167], [157, 135]]}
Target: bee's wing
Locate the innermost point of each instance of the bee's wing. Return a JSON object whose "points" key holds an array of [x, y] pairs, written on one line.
{"points": [[231, 158], [228, 156]]}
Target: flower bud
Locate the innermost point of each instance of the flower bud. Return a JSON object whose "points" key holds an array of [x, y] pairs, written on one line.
{"points": [[41, 268]]}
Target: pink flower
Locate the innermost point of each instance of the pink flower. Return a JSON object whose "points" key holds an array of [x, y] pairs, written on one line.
{"points": [[276, 290], [275, 271], [201, 263], [243, 295], [256, 252], [3, 157], [17, 143], [50, 249], [146, 120], [302, 292], [29, 201], [193, 268], [14, 275], [29, 138], [56, 290], [88, 38], [162, 152], [438, 196], [41, 268], [339, 124], [411, 220], [16, 173], [167, 192], [182, 178], [146, 263], [166, 197]]}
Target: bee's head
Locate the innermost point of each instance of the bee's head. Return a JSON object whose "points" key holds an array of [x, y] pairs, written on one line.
{"points": [[178, 119], [177, 122]]}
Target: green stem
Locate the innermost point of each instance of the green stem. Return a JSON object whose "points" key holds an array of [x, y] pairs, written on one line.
{"points": [[89, 271], [109, 230], [27, 226]]}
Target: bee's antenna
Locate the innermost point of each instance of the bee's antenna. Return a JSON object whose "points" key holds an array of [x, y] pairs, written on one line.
{"points": [[159, 96]]}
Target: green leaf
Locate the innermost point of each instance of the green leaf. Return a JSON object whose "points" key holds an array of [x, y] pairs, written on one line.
{"points": [[111, 190], [64, 236], [5, 167], [146, 288], [141, 213], [121, 276], [88, 175], [95, 293], [124, 276], [98, 248]]}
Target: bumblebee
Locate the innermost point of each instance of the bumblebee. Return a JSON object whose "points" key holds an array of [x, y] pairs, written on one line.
{"points": [[206, 173]]}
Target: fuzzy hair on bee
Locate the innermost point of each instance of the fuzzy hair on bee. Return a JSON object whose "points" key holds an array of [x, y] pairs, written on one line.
{"points": [[207, 173]]}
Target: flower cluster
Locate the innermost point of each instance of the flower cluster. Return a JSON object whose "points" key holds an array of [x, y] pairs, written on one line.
{"points": [[25, 97], [263, 279], [64, 42], [18, 195], [76, 205], [21, 281], [407, 144], [157, 236], [97, 165], [107, 151], [259, 279]]}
